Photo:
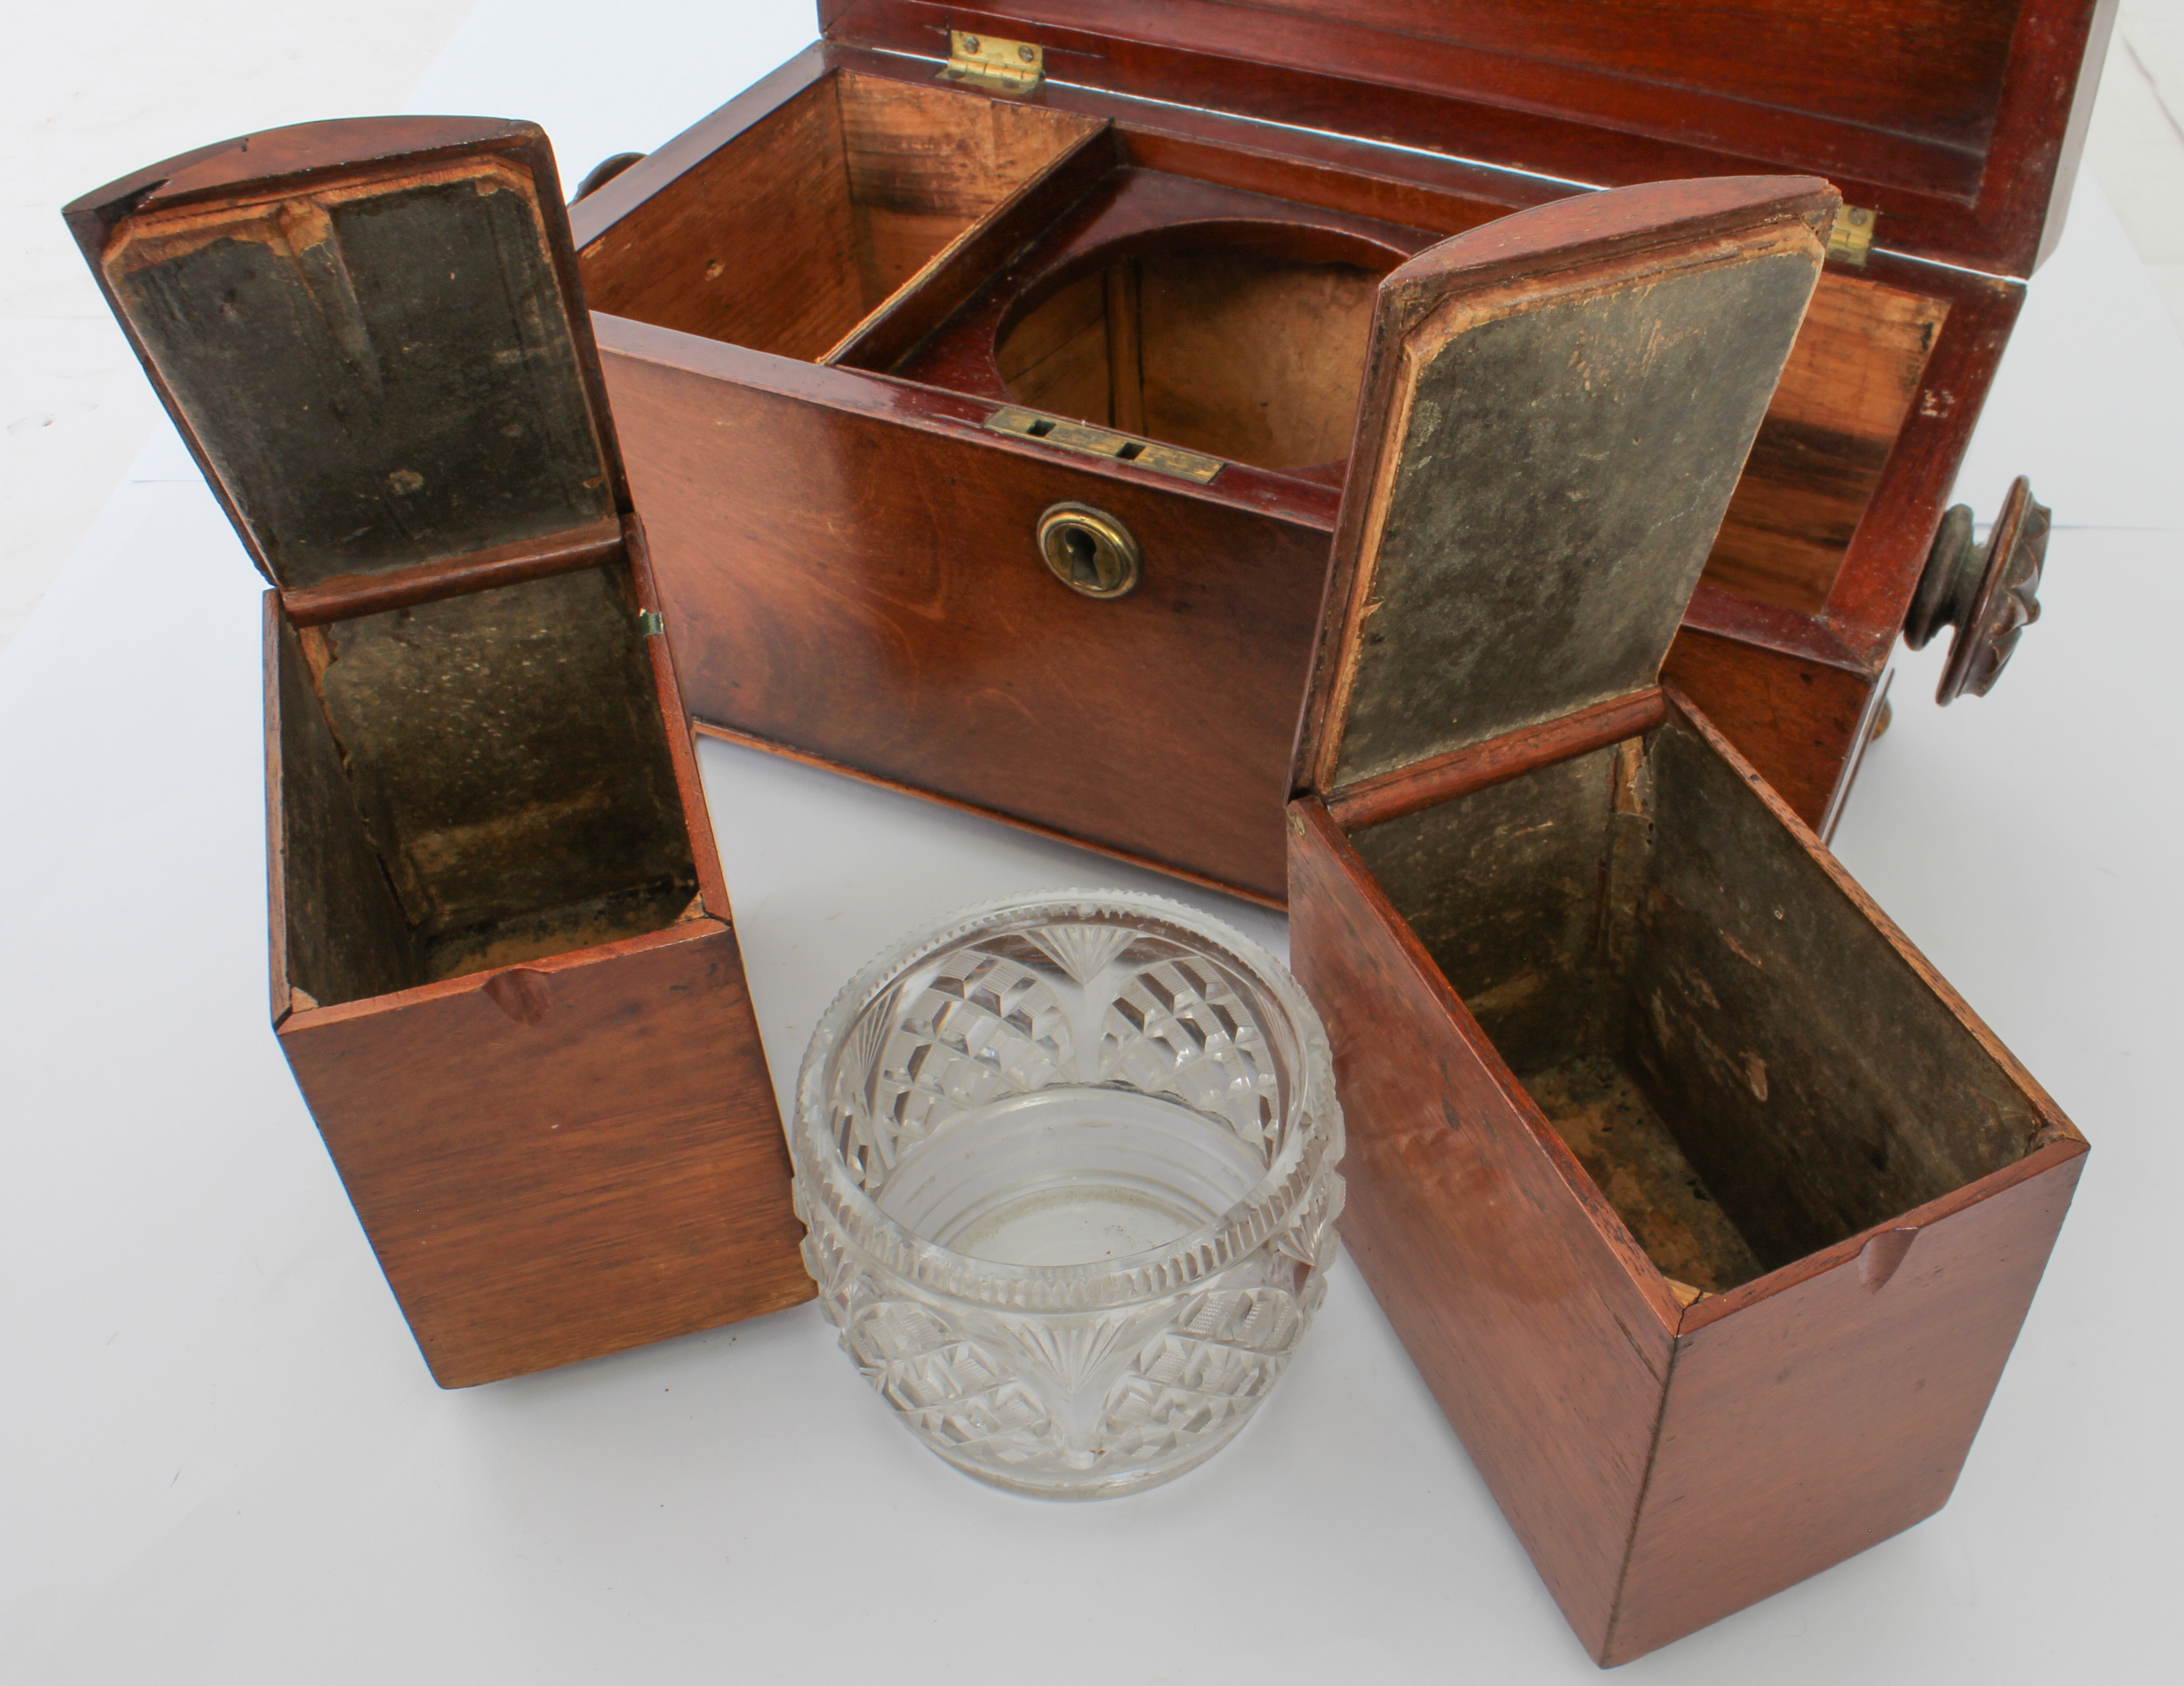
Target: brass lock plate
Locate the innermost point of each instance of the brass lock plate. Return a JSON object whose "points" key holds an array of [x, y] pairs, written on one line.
{"points": [[1089, 551], [1078, 436]]}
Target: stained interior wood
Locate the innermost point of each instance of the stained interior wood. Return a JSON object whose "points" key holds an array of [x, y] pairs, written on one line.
{"points": [[785, 240], [472, 782], [1844, 396], [1225, 342], [1742, 1062], [380, 373], [1632, 1155]]}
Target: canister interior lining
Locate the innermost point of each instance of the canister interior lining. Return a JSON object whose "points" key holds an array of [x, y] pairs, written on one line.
{"points": [[1744, 1064], [473, 782]]}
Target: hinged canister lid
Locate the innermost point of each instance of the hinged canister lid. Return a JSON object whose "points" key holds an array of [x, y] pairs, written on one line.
{"points": [[371, 334], [1557, 407], [1958, 121]]}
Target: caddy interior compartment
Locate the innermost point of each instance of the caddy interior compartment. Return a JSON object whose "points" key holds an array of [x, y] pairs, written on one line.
{"points": [[1236, 324], [471, 782], [1107, 272], [785, 239], [1715, 1026]]}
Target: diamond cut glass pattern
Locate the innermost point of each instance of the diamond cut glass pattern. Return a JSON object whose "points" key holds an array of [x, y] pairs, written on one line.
{"points": [[1067, 1168]]}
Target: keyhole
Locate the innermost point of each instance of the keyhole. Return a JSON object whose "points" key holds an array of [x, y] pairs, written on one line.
{"points": [[1088, 550], [1084, 552]]}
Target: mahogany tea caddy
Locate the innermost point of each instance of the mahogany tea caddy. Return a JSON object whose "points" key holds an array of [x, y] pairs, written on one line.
{"points": [[877, 324], [504, 968], [1706, 1208]]}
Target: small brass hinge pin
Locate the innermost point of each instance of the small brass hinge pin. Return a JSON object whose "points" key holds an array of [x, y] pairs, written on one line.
{"points": [[989, 63], [1850, 237]]}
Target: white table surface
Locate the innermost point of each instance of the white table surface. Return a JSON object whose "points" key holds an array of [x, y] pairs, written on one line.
{"points": [[225, 1462]]}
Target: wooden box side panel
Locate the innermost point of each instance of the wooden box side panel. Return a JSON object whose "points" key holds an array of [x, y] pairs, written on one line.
{"points": [[1820, 1421], [681, 259], [1873, 591], [788, 215], [1800, 722], [568, 1160], [1823, 1078], [1853, 373], [1483, 1242], [871, 593], [339, 931]]}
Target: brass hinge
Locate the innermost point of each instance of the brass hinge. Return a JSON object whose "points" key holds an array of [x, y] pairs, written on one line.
{"points": [[649, 624], [1076, 436], [1851, 235], [988, 62]]}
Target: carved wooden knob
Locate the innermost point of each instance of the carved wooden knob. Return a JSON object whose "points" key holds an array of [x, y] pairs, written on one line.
{"points": [[1990, 593], [605, 171]]}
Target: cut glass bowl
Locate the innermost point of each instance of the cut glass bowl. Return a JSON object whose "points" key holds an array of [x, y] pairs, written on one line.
{"points": [[1067, 1166]]}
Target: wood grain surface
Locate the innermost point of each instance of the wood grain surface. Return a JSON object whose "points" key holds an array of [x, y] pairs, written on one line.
{"points": [[1810, 1393], [1825, 534], [1958, 121], [1609, 1020], [1542, 1330], [827, 204], [503, 971], [577, 1156], [924, 641]]}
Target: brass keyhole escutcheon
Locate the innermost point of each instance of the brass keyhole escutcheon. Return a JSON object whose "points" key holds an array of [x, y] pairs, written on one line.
{"points": [[1089, 551]]}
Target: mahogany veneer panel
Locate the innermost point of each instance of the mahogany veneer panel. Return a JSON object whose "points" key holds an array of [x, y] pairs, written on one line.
{"points": [[1959, 121], [924, 643], [562, 1160], [1530, 1313], [1850, 382]]}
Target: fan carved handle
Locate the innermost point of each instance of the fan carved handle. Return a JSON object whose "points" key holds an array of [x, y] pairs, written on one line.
{"points": [[605, 171], [1989, 593]]}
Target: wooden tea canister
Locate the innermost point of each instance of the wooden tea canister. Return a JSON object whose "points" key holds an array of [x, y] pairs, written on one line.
{"points": [[504, 969], [883, 329], [1707, 1210]]}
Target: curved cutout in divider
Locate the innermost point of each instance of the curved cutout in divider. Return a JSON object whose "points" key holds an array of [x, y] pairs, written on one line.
{"points": [[1242, 339]]}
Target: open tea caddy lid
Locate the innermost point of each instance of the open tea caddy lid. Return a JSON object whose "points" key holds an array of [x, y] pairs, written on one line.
{"points": [[1556, 409], [1951, 121], [366, 331]]}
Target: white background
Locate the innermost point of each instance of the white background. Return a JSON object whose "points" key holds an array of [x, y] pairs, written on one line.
{"points": [[221, 1459]]}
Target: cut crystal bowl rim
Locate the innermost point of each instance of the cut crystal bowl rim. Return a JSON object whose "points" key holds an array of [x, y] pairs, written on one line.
{"points": [[832, 1193]]}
